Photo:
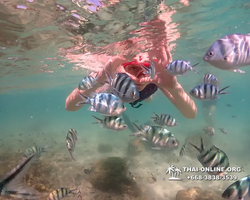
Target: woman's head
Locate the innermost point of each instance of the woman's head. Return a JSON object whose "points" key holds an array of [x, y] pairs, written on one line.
{"points": [[136, 72]]}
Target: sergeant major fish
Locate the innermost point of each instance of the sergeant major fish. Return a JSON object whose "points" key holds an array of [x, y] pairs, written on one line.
{"points": [[213, 157], [150, 70], [60, 193], [34, 150], [179, 67], [239, 190], [71, 141], [12, 185], [229, 52], [104, 103], [158, 137], [183, 148], [207, 92], [124, 87], [210, 79], [164, 120], [112, 123], [87, 83]]}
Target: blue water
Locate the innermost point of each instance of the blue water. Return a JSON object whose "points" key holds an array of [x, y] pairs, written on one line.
{"points": [[33, 110]]}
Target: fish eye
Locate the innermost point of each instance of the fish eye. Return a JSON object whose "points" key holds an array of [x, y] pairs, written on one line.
{"points": [[133, 93], [225, 58], [211, 53]]}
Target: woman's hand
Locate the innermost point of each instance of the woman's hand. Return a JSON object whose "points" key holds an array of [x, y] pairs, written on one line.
{"points": [[109, 68], [161, 58]]}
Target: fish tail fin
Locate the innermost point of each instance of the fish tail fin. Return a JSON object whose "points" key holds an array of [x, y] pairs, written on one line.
{"points": [[195, 71], [224, 89], [200, 149], [108, 76], [86, 100], [154, 118], [71, 155], [195, 64], [99, 121], [74, 191], [139, 130], [15, 187]]}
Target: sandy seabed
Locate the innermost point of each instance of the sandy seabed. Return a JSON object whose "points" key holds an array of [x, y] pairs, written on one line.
{"points": [[56, 169]]}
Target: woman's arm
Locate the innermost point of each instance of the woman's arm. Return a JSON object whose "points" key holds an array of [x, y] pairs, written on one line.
{"points": [[181, 101], [74, 96]]}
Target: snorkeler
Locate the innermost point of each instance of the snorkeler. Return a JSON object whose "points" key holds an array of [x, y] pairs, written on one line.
{"points": [[146, 86], [159, 54]]}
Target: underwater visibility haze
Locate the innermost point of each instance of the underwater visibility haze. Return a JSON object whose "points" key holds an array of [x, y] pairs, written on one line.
{"points": [[129, 140]]}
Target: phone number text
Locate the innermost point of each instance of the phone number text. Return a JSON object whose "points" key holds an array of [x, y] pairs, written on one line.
{"points": [[212, 177]]}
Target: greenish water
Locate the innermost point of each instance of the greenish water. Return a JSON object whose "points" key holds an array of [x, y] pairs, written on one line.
{"points": [[32, 100]]}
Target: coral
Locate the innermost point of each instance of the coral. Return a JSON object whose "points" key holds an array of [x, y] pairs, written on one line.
{"points": [[110, 175]]}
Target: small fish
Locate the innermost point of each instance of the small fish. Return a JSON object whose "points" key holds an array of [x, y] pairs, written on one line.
{"points": [[239, 190], [223, 130], [34, 150], [60, 193], [183, 148], [210, 79], [207, 92], [71, 139], [11, 184], [213, 157], [87, 83], [164, 120], [179, 67], [131, 176], [158, 137], [104, 103], [150, 70], [112, 123], [209, 130], [123, 87], [229, 52]]}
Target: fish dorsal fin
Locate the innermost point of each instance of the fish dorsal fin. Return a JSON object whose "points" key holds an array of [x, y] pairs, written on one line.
{"points": [[201, 148]]}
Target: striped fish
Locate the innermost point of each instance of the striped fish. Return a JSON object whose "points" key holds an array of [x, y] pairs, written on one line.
{"points": [[12, 185], [179, 67], [71, 139], [150, 70], [158, 137], [60, 193], [34, 150], [164, 120], [124, 87], [104, 103], [112, 123], [183, 148], [213, 157], [229, 52], [239, 190], [207, 92], [87, 83], [210, 79]]}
